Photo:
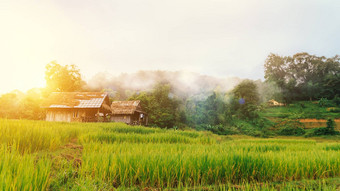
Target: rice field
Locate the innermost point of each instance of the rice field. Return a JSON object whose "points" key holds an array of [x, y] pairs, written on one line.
{"points": [[38, 155]]}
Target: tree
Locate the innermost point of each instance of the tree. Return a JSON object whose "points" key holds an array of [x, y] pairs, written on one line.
{"points": [[10, 103], [208, 112], [331, 86], [247, 90], [303, 76], [161, 105], [247, 95], [30, 105], [63, 78]]}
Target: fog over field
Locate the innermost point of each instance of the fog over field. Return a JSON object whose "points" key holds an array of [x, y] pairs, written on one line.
{"points": [[184, 83]]}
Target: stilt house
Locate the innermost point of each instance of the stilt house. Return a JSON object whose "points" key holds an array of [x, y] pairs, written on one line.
{"points": [[77, 106]]}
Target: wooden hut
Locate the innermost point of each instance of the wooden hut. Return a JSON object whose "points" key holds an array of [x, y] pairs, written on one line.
{"points": [[129, 112], [77, 106]]}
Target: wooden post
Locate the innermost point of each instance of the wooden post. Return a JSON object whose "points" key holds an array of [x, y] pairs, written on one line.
{"points": [[98, 115], [139, 123]]}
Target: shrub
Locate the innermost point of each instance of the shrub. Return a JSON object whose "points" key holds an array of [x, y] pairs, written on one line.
{"points": [[291, 131], [336, 100], [290, 127], [324, 102], [329, 130], [334, 110], [222, 130]]}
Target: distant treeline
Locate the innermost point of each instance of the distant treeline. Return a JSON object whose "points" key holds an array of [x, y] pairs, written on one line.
{"points": [[304, 76], [197, 101]]}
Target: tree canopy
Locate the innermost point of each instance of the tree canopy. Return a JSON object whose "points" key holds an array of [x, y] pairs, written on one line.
{"points": [[161, 105], [247, 96], [63, 78], [304, 76]]}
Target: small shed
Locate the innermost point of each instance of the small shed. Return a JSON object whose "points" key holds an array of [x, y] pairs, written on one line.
{"points": [[129, 112], [274, 103], [77, 106]]}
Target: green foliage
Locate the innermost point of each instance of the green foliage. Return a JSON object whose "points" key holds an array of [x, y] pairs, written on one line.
{"points": [[10, 104], [222, 130], [161, 105], [291, 131], [303, 76], [321, 131], [289, 127], [330, 125], [16, 105], [247, 90], [329, 130], [63, 78], [324, 102], [337, 100], [296, 111], [212, 111], [247, 95]]}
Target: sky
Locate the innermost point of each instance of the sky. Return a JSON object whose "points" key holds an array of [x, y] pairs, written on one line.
{"points": [[221, 38]]}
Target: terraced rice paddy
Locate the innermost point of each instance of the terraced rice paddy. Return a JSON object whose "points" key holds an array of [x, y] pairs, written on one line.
{"points": [[37, 155]]}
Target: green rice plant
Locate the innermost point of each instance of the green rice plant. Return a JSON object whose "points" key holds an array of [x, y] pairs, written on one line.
{"points": [[332, 147], [23, 172], [265, 148], [123, 128], [31, 136], [116, 155], [169, 165], [145, 138]]}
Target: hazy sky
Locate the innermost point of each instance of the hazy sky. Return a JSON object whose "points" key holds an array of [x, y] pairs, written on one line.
{"points": [[214, 37]]}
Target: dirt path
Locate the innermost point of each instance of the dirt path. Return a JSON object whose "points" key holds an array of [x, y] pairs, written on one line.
{"points": [[66, 156], [72, 152]]}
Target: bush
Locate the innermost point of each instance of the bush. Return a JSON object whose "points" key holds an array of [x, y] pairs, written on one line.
{"points": [[334, 110], [336, 100], [329, 130], [222, 130], [324, 102], [292, 131], [290, 127]]}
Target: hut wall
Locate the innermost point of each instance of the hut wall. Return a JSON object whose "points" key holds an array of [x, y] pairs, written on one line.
{"points": [[121, 118], [59, 115], [71, 115], [132, 119]]}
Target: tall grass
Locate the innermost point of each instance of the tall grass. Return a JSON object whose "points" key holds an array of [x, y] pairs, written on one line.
{"points": [[116, 155], [146, 138], [167, 165], [32, 136], [23, 172]]}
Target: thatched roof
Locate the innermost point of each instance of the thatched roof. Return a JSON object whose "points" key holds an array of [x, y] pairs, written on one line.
{"points": [[77, 100], [125, 107]]}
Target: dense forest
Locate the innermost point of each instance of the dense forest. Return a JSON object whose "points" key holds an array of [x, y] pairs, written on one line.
{"points": [[182, 99]]}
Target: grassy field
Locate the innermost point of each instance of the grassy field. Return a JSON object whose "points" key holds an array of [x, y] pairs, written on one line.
{"points": [[308, 113], [38, 155], [302, 110]]}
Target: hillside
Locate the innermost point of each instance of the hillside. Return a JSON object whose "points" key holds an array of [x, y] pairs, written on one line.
{"points": [[310, 113]]}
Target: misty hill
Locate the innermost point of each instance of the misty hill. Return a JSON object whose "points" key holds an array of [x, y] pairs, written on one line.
{"points": [[184, 84]]}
